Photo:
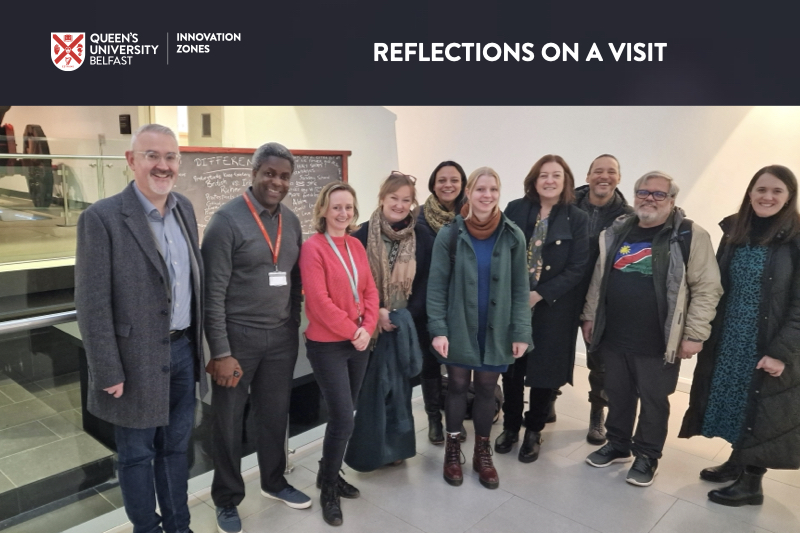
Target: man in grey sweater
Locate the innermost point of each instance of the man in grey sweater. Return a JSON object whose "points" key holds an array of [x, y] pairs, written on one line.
{"points": [[253, 294]]}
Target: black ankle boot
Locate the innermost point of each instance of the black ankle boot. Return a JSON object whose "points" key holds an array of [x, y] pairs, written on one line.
{"points": [[435, 429], [463, 435], [551, 410], [346, 490], [506, 440], [745, 491], [723, 473], [331, 506], [531, 442], [431, 394]]}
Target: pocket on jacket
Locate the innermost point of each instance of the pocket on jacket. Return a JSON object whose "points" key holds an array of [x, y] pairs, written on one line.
{"points": [[122, 330]]}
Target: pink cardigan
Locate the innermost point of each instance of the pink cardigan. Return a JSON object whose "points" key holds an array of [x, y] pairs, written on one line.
{"points": [[330, 306]]}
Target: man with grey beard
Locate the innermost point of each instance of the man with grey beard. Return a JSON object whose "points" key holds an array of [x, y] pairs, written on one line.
{"points": [[652, 297]]}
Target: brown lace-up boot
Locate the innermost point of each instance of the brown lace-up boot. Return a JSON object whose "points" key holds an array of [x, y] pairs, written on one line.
{"points": [[452, 461], [482, 463]]}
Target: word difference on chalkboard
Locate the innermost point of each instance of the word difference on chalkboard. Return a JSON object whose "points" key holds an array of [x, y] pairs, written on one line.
{"points": [[210, 177]]}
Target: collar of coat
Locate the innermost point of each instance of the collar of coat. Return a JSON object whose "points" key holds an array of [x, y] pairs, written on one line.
{"points": [[625, 223]]}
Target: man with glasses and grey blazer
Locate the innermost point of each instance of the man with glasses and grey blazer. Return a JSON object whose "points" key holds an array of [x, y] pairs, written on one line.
{"points": [[139, 298]]}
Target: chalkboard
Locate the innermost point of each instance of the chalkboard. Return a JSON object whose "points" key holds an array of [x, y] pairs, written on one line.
{"points": [[210, 177]]}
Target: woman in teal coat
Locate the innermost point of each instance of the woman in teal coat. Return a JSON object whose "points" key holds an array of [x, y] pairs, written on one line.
{"points": [[478, 314]]}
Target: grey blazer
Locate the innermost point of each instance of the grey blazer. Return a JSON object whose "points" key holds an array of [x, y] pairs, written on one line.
{"points": [[122, 298]]}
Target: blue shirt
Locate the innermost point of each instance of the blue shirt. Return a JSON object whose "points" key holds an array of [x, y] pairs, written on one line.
{"points": [[483, 253], [175, 251]]}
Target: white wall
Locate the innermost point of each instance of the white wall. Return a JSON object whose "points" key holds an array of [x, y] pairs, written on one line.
{"points": [[712, 152], [368, 132]]}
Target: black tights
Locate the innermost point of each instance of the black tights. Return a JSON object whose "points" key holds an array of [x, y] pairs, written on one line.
{"points": [[482, 408]]}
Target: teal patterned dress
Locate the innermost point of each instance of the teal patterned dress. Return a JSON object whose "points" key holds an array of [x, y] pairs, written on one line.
{"points": [[737, 352]]}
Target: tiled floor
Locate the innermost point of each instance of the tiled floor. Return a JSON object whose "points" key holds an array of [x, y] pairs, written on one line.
{"points": [[41, 430], [557, 493]]}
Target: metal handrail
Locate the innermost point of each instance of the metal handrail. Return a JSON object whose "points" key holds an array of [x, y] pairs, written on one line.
{"points": [[56, 156], [25, 324]]}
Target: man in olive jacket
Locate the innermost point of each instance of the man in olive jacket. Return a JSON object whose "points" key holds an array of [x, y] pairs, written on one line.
{"points": [[138, 295], [647, 308]]}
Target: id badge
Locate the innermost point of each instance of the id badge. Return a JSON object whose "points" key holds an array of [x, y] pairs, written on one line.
{"points": [[277, 279]]}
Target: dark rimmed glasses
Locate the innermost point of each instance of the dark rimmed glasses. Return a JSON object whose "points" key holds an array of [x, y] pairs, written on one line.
{"points": [[658, 196]]}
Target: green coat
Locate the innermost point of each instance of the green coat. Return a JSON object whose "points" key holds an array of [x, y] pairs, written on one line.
{"points": [[453, 296]]}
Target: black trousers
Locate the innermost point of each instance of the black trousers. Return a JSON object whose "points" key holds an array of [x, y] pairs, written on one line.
{"points": [[267, 358], [514, 399], [597, 379], [632, 378], [339, 370]]}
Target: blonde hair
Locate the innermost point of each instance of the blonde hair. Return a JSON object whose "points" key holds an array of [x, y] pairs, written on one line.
{"points": [[394, 183], [324, 200], [472, 179]]}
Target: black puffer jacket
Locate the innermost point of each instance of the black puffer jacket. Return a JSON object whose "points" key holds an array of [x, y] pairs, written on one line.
{"points": [[771, 437]]}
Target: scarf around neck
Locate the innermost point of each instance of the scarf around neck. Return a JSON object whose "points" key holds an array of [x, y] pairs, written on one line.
{"points": [[435, 215], [393, 269], [480, 230]]}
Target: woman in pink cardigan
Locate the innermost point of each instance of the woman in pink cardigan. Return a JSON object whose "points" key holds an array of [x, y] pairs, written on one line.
{"points": [[342, 311]]}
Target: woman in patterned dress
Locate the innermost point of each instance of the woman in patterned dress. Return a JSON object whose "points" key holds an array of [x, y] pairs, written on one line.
{"points": [[745, 386]]}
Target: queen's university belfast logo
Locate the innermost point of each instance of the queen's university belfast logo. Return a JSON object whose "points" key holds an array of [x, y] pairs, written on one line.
{"points": [[68, 49]]}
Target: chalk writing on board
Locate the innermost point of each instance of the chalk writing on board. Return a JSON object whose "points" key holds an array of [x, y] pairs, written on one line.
{"points": [[210, 180]]}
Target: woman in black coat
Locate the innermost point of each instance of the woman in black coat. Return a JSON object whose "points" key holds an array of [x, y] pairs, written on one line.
{"points": [[745, 387], [558, 255], [446, 184]]}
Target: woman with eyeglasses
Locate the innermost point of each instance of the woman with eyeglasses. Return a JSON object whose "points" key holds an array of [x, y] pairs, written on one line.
{"points": [[446, 184], [398, 250], [342, 311], [557, 245], [746, 386], [478, 315]]}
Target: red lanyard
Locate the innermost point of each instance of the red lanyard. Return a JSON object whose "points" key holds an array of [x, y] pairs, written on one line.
{"points": [[277, 250]]}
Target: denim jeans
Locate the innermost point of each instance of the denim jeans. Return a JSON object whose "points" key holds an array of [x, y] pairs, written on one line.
{"points": [[152, 462]]}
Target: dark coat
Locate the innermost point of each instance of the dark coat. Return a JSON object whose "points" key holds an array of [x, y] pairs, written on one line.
{"points": [[599, 218], [771, 437], [122, 298], [555, 320], [384, 423], [419, 288]]}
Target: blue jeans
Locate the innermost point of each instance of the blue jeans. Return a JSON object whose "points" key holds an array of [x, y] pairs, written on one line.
{"points": [[152, 462]]}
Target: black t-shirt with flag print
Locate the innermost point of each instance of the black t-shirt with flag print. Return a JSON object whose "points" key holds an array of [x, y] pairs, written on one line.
{"points": [[632, 323]]}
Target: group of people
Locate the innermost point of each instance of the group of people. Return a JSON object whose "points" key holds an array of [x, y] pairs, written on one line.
{"points": [[455, 281]]}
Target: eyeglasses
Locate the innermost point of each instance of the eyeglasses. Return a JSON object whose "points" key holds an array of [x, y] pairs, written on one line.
{"points": [[409, 176], [170, 158], [658, 196]]}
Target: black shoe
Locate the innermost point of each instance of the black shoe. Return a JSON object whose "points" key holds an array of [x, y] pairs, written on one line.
{"points": [[597, 428], [643, 472], [506, 440], [746, 490], [606, 456], [346, 490], [551, 415], [435, 429], [723, 473], [531, 442], [331, 506], [463, 435], [431, 394]]}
